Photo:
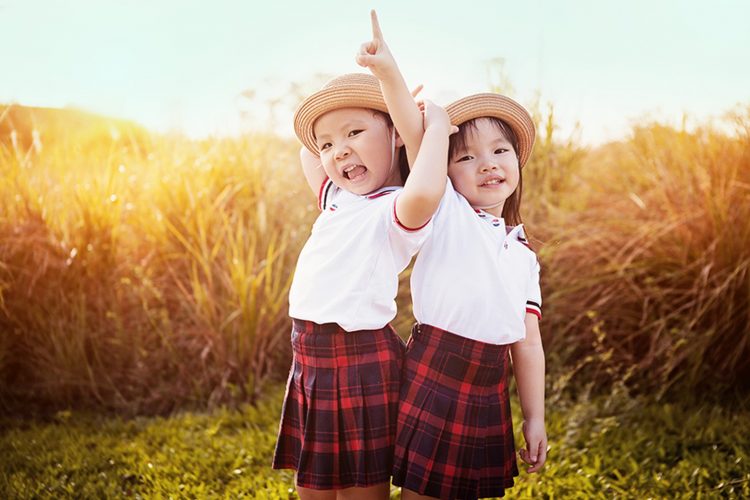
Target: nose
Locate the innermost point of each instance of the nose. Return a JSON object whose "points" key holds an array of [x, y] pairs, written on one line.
{"points": [[489, 166], [341, 152]]}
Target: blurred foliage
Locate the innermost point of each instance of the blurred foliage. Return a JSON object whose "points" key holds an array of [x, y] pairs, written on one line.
{"points": [[648, 277], [144, 276], [143, 273]]}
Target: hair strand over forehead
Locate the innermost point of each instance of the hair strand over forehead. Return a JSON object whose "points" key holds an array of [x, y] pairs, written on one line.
{"points": [[458, 140]]}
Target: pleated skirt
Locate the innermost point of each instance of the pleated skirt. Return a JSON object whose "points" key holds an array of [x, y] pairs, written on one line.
{"points": [[455, 431], [338, 421]]}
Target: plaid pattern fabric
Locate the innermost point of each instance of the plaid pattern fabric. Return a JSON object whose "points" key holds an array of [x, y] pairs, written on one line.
{"points": [[455, 432], [338, 423]]}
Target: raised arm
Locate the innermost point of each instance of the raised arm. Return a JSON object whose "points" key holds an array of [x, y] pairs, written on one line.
{"points": [[404, 112], [528, 368], [425, 185], [312, 168]]}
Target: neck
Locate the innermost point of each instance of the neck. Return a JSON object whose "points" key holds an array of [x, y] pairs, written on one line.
{"points": [[395, 178], [496, 210]]}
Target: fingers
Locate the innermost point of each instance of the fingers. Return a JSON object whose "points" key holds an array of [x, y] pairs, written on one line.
{"points": [[377, 34], [366, 60], [417, 90], [534, 458], [370, 48], [365, 57], [542, 455], [534, 468]]}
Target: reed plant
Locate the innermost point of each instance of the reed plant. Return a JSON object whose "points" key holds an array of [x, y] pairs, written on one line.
{"points": [[648, 280], [141, 273]]}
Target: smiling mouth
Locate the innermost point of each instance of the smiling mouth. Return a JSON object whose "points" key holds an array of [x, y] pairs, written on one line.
{"points": [[495, 181], [354, 172]]}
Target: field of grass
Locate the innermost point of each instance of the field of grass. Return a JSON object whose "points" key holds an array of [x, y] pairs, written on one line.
{"points": [[143, 294], [143, 274], [614, 446]]}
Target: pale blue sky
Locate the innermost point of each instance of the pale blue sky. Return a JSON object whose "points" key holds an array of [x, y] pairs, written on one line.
{"points": [[183, 64]]}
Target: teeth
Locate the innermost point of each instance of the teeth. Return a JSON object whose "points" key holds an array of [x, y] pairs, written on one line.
{"points": [[493, 181], [349, 169]]}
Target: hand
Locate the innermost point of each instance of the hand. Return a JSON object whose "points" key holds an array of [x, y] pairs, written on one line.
{"points": [[436, 116], [535, 453], [375, 55]]}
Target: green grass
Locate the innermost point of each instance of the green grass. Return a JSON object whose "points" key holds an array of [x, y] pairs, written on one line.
{"points": [[222, 454], [605, 447]]}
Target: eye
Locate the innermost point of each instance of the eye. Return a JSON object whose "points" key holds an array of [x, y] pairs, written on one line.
{"points": [[464, 158], [500, 151], [355, 132], [325, 146]]}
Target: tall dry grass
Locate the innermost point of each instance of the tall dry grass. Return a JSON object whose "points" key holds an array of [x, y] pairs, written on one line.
{"points": [[648, 279], [142, 275]]}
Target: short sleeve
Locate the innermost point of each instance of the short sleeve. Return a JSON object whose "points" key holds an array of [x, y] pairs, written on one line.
{"points": [[534, 291], [405, 241]]}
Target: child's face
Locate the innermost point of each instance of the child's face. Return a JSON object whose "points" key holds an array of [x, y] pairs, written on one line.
{"points": [[356, 149], [485, 172]]}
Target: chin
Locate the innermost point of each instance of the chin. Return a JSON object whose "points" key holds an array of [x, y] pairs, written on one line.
{"points": [[362, 188]]}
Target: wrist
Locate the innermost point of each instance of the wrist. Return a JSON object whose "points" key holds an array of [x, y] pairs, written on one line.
{"points": [[388, 74], [438, 129], [534, 420]]}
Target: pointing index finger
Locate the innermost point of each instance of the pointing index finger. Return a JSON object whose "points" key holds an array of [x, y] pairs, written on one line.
{"points": [[376, 33]]}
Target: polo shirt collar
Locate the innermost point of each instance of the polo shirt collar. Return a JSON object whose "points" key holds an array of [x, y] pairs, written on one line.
{"points": [[492, 220], [381, 192], [510, 232]]}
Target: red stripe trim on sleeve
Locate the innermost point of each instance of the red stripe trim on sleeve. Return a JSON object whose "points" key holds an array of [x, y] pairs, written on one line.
{"points": [[405, 228], [535, 312], [320, 193]]}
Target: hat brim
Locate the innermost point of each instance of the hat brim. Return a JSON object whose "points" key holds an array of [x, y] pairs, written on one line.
{"points": [[497, 106], [330, 99]]}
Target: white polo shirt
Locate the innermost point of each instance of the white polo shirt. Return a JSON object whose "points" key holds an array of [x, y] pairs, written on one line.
{"points": [[347, 272], [473, 276]]}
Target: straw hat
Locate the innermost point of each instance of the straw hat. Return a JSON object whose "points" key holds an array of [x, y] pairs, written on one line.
{"points": [[497, 106], [353, 90]]}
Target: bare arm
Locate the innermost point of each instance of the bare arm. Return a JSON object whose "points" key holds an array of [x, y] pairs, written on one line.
{"points": [[425, 186], [528, 367], [312, 168], [376, 56]]}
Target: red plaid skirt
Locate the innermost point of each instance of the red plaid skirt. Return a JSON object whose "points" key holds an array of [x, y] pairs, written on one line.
{"points": [[338, 423], [455, 432]]}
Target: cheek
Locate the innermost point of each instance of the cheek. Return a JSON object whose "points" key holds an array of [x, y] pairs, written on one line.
{"points": [[328, 165], [515, 175], [453, 177], [376, 149], [458, 177]]}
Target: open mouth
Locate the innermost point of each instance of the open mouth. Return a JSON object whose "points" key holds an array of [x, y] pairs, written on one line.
{"points": [[354, 172]]}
